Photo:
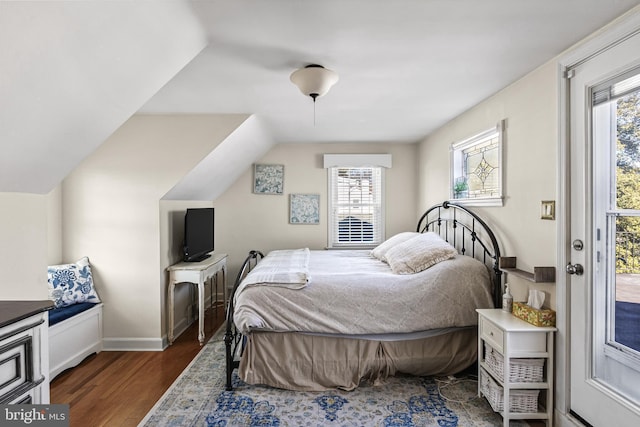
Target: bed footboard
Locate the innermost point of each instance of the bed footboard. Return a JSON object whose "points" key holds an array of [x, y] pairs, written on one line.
{"points": [[233, 339]]}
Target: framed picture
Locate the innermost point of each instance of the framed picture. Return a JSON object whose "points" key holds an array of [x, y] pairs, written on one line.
{"points": [[304, 209], [548, 209], [268, 179]]}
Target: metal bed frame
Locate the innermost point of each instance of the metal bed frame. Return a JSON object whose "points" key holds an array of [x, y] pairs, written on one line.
{"points": [[233, 339], [474, 236], [459, 226]]}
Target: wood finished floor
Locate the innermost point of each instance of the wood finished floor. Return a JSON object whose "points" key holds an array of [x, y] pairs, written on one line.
{"points": [[118, 388]]}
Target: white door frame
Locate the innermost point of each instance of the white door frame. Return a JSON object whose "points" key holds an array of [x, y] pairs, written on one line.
{"points": [[620, 29]]}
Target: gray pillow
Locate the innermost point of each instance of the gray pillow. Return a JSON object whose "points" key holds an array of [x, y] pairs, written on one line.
{"points": [[380, 251]]}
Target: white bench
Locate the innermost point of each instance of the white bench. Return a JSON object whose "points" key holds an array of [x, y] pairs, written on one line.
{"points": [[73, 339]]}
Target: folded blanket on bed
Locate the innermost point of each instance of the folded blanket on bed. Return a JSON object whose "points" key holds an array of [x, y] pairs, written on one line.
{"points": [[286, 268]]}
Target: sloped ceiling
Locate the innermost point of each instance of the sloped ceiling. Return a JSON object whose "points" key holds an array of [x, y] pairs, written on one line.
{"points": [[216, 172], [72, 72]]}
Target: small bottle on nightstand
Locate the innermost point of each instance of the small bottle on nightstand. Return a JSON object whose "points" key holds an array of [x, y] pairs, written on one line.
{"points": [[507, 299]]}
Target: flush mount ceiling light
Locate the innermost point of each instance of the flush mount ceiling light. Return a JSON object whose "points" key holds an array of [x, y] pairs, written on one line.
{"points": [[314, 80]]}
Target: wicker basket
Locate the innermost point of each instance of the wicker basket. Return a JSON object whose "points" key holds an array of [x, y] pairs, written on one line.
{"points": [[520, 371], [519, 400]]}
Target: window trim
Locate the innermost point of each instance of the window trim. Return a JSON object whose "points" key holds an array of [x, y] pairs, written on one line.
{"points": [[380, 161], [458, 147], [332, 241]]}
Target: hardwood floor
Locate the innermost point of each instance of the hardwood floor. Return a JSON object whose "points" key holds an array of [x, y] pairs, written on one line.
{"points": [[118, 388]]}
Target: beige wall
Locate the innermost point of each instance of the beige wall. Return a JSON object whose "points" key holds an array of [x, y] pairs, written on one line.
{"points": [[54, 226], [530, 108], [23, 246], [246, 221], [112, 213]]}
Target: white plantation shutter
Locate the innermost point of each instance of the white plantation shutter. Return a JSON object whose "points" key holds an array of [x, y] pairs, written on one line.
{"points": [[619, 87], [356, 206]]}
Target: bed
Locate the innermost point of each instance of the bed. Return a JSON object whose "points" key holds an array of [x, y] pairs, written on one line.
{"points": [[319, 320]]}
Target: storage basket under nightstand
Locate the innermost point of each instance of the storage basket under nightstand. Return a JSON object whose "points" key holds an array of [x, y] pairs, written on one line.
{"points": [[519, 400], [515, 364], [520, 371]]}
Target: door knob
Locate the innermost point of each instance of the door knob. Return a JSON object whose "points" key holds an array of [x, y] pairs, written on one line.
{"points": [[576, 269]]}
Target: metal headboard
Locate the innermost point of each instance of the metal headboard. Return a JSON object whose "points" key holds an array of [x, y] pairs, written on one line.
{"points": [[469, 234]]}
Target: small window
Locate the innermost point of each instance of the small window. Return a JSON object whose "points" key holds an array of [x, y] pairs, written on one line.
{"points": [[476, 168], [355, 206]]}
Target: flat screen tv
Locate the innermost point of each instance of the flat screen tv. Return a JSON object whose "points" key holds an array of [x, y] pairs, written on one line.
{"points": [[198, 234]]}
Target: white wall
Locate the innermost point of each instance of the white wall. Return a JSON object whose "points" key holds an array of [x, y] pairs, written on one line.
{"points": [[112, 214], [23, 246], [530, 108], [246, 221]]}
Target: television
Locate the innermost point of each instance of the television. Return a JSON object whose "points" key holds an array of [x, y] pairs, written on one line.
{"points": [[198, 234]]}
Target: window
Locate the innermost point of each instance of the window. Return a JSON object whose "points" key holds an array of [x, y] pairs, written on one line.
{"points": [[476, 169], [356, 206], [616, 139], [356, 199]]}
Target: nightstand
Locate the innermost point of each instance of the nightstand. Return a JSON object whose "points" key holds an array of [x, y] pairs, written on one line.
{"points": [[515, 365]]}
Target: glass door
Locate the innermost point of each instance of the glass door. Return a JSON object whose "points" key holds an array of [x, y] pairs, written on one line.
{"points": [[616, 141], [604, 95]]}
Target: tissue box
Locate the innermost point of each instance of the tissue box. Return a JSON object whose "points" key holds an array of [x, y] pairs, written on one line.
{"points": [[542, 317]]}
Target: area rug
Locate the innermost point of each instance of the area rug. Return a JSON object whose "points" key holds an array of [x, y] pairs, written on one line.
{"points": [[198, 398]]}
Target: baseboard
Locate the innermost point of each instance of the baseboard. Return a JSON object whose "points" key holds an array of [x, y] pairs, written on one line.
{"points": [[133, 344], [185, 322], [148, 344], [145, 344], [566, 420], [181, 326]]}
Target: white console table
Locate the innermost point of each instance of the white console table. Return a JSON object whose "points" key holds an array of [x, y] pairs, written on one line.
{"points": [[197, 273]]}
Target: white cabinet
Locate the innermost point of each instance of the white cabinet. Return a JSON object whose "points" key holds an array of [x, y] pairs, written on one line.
{"points": [[24, 352], [515, 365]]}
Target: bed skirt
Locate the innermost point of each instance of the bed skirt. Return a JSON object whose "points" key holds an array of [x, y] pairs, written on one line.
{"points": [[315, 363]]}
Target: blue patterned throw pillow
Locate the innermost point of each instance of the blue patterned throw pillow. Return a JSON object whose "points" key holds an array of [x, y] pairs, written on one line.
{"points": [[71, 283]]}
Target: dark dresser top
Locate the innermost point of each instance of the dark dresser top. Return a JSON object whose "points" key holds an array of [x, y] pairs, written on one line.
{"points": [[13, 311]]}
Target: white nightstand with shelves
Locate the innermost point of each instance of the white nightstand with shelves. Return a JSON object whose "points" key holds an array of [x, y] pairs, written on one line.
{"points": [[515, 364]]}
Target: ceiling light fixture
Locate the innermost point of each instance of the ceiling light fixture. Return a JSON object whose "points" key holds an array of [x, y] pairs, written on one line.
{"points": [[314, 80]]}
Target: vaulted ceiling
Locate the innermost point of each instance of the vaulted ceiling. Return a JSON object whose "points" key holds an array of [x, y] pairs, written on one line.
{"points": [[72, 72]]}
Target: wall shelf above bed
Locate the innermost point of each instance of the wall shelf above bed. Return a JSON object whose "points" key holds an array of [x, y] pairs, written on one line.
{"points": [[507, 264]]}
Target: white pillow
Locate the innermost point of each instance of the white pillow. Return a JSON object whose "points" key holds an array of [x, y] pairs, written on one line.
{"points": [[419, 253], [71, 283], [380, 251]]}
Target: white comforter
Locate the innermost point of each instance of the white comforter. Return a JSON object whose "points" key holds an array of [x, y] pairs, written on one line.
{"points": [[352, 293]]}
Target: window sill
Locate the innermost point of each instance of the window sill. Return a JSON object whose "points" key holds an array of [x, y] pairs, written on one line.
{"points": [[342, 248], [488, 201]]}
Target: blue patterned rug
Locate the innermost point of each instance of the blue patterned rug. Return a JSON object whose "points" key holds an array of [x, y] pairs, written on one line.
{"points": [[198, 398]]}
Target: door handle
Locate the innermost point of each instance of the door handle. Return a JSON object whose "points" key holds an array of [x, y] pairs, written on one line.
{"points": [[576, 269]]}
